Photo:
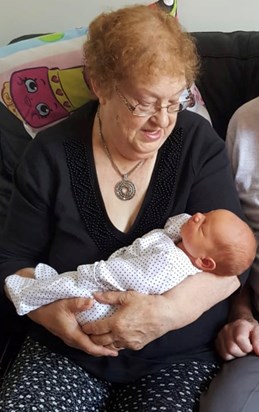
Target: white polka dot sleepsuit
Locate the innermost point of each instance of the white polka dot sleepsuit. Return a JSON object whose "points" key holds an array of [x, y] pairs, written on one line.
{"points": [[152, 264]]}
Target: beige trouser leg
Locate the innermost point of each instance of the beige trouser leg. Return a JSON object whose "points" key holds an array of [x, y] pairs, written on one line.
{"points": [[235, 388]]}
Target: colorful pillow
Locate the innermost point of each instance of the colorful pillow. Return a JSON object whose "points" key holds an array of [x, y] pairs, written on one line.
{"points": [[42, 79]]}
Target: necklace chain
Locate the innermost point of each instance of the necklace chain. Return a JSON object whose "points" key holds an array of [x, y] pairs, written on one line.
{"points": [[125, 189]]}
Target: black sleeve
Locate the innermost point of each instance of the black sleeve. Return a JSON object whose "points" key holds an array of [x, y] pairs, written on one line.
{"points": [[27, 231], [213, 185]]}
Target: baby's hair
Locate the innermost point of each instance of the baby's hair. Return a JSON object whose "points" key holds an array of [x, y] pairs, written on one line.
{"points": [[235, 256]]}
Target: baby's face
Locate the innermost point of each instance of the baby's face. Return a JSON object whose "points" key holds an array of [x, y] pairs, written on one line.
{"points": [[200, 232]]}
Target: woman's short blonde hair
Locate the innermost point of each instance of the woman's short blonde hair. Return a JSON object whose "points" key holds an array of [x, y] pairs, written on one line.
{"points": [[138, 42]]}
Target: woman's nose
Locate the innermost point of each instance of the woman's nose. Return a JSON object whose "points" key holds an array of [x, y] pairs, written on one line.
{"points": [[162, 118]]}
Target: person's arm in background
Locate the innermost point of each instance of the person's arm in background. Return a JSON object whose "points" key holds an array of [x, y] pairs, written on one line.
{"points": [[241, 335]]}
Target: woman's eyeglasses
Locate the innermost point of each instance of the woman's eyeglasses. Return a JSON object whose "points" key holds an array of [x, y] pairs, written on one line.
{"points": [[149, 110]]}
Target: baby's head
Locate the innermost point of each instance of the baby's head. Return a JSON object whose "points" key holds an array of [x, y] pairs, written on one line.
{"points": [[219, 242]]}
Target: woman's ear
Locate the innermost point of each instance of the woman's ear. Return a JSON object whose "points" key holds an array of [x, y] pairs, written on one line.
{"points": [[207, 264], [94, 87], [97, 91]]}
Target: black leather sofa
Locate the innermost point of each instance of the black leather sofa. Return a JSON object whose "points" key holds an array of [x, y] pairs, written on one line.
{"points": [[229, 77]]}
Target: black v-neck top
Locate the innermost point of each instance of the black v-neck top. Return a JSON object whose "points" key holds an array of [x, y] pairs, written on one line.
{"points": [[57, 216]]}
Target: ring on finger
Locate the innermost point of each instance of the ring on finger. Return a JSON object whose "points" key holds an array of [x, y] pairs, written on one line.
{"points": [[117, 345]]}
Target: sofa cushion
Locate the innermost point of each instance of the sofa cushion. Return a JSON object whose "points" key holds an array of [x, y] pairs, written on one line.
{"points": [[229, 73]]}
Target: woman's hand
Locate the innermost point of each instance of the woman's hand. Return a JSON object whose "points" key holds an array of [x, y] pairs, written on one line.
{"points": [[238, 338], [142, 318], [59, 319], [139, 320]]}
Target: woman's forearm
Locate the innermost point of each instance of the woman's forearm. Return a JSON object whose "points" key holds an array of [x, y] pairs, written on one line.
{"points": [[142, 318], [196, 294]]}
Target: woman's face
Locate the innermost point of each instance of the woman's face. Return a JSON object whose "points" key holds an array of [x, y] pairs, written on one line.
{"points": [[135, 137]]}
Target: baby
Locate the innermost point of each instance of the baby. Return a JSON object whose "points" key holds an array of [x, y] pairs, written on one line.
{"points": [[217, 242]]}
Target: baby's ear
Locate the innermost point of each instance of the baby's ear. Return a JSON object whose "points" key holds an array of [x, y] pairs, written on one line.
{"points": [[207, 264]]}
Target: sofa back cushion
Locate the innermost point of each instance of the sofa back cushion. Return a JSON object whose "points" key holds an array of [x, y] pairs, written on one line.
{"points": [[229, 73]]}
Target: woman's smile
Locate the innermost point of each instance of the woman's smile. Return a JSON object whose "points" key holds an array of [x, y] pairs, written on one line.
{"points": [[152, 135]]}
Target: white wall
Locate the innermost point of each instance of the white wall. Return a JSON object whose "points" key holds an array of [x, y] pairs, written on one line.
{"points": [[18, 17], [219, 15]]}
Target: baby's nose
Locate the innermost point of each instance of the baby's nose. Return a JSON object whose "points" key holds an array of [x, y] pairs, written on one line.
{"points": [[197, 217]]}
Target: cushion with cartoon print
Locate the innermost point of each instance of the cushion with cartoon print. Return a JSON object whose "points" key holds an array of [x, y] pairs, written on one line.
{"points": [[42, 79]]}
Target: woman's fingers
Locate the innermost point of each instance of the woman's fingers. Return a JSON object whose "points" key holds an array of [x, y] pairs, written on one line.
{"points": [[112, 298], [59, 318], [104, 326], [116, 345], [98, 327], [140, 319]]}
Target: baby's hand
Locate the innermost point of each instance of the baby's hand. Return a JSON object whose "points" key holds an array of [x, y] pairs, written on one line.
{"points": [[238, 338]]}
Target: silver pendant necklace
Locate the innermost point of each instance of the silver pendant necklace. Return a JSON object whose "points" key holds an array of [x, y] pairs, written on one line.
{"points": [[125, 188]]}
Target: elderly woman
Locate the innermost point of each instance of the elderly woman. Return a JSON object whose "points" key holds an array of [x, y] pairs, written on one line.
{"points": [[116, 169]]}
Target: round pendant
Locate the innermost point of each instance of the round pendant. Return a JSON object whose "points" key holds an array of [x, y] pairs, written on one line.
{"points": [[125, 190]]}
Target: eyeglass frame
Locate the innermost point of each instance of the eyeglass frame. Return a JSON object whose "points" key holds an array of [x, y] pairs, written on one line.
{"points": [[182, 105]]}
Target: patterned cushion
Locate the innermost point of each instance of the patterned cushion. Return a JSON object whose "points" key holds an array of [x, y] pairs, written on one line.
{"points": [[42, 79]]}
